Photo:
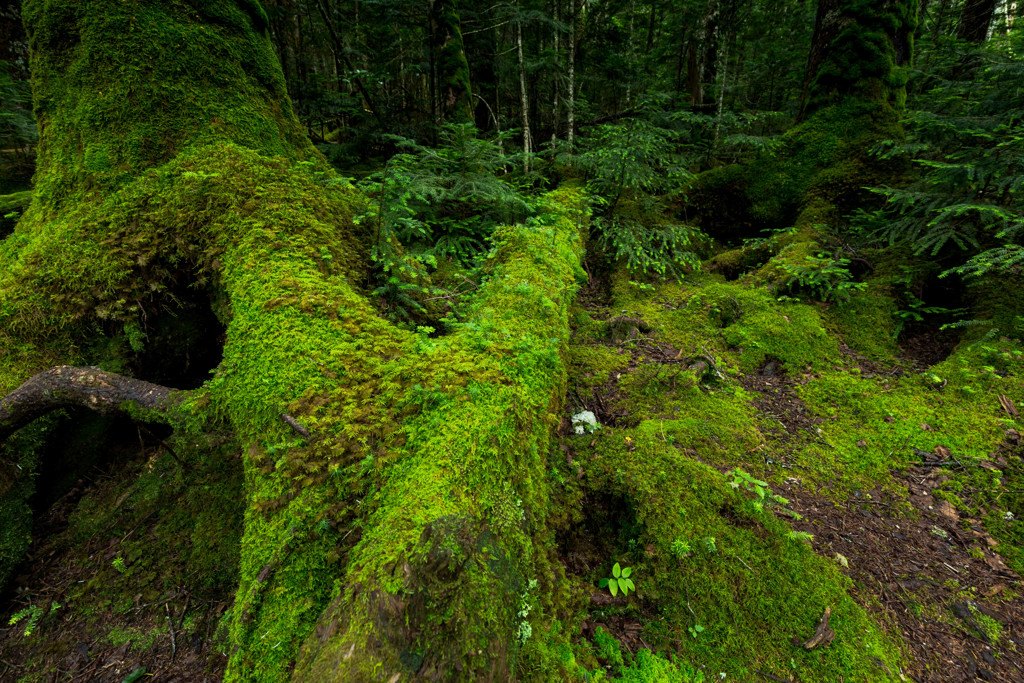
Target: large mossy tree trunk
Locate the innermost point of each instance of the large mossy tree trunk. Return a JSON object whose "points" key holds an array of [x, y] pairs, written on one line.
{"points": [[395, 519]]}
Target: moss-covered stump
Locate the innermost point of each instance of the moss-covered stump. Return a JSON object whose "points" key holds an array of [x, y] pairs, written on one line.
{"points": [[120, 92]]}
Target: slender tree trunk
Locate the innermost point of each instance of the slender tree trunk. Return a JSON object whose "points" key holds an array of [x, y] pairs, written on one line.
{"points": [[557, 74], [340, 51], [693, 76], [710, 48], [631, 53], [570, 113], [938, 27], [524, 101], [723, 59]]}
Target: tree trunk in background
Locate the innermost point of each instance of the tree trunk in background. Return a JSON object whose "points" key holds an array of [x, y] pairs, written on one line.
{"points": [[570, 109], [524, 101], [340, 51], [693, 77], [708, 72], [975, 18], [857, 51], [555, 103], [13, 48], [454, 93]]}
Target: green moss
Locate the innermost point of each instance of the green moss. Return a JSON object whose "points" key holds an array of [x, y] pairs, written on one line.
{"points": [[179, 73], [448, 542], [140, 640], [739, 324], [648, 667], [750, 589], [592, 366], [989, 627], [866, 47], [867, 323]]}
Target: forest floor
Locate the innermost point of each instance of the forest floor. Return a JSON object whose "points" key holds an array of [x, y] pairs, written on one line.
{"points": [[917, 566], [119, 557], [922, 567]]}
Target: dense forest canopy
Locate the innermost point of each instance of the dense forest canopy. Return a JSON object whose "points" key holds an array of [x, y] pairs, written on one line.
{"points": [[387, 340]]}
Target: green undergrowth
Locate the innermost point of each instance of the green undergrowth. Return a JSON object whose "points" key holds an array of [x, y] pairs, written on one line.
{"points": [[643, 667], [740, 324], [823, 160], [951, 412]]}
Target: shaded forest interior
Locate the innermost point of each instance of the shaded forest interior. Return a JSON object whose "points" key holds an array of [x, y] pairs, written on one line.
{"points": [[582, 340]]}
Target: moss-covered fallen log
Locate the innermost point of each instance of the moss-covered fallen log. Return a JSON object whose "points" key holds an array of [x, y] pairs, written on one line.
{"points": [[435, 586]]}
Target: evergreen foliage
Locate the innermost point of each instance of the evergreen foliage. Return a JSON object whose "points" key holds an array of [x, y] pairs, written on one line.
{"points": [[964, 205]]}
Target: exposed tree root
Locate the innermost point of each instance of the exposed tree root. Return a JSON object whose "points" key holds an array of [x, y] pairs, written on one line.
{"points": [[66, 386]]}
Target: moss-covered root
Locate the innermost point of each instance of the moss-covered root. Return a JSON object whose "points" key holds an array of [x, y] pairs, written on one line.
{"points": [[433, 588]]}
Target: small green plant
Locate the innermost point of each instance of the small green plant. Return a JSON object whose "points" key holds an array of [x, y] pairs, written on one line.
{"points": [[31, 615], [824, 277], [607, 647], [763, 495], [989, 627], [650, 249], [619, 580], [695, 630], [681, 548], [710, 544], [525, 630], [800, 536], [119, 565]]}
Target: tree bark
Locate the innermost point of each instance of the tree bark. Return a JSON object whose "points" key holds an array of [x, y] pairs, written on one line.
{"points": [[524, 100], [570, 105], [855, 52], [454, 92], [66, 386]]}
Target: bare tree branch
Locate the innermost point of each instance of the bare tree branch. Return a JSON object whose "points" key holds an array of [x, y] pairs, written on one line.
{"points": [[67, 386]]}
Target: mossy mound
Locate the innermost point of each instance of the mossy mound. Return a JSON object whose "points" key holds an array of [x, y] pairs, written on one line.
{"points": [[648, 490]]}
